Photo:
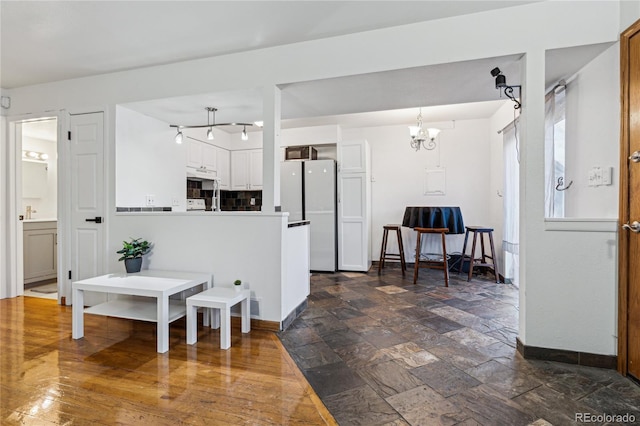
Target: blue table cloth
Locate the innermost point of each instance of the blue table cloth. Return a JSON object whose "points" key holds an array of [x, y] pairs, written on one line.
{"points": [[434, 217]]}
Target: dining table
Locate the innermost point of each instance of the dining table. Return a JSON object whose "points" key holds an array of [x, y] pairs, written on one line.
{"points": [[434, 217]]}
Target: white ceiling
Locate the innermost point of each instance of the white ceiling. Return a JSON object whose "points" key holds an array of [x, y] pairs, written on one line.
{"points": [[56, 40]]}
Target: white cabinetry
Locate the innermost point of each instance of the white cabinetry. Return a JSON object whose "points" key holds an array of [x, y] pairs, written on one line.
{"points": [[354, 206], [201, 155], [40, 251], [353, 156], [224, 177], [246, 169]]}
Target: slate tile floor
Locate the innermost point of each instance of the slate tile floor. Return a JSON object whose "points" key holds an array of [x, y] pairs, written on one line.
{"points": [[379, 350]]}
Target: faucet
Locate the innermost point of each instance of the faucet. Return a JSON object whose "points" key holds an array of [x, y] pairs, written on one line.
{"points": [[29, 211]]}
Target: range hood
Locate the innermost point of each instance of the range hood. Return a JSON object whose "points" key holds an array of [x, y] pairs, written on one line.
{"points": [[201, 174]]}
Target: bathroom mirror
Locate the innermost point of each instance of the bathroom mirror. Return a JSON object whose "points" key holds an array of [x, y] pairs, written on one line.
{"points": [[34, 179]]}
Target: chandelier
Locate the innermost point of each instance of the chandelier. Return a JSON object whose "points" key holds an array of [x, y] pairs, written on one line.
{"points": [[421, 137], [210, 125]]}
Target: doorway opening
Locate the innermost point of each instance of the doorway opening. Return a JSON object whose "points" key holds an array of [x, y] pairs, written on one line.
{"points": [[37, 203]]}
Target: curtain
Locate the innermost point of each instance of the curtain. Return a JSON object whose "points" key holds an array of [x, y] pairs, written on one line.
{"points": [[511, 203], [554, 156]]}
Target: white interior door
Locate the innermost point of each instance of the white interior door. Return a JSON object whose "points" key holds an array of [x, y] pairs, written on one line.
{"points": [[87, 195]]}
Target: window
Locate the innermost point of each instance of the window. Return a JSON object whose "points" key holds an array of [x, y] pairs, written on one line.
{"points": [[555, 152]]}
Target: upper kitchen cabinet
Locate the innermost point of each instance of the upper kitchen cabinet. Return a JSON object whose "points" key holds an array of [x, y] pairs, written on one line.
{"points": [[353, 156], [246, 169], [201, 155], [223, 169]]}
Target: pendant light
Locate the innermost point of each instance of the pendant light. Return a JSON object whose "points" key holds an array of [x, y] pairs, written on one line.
{"points": [[210, 131], [420, 137], [179, 136], [245, 137]]}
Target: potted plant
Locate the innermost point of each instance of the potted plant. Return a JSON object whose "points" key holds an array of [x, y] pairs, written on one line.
{"points": [[237, 284], [132, 252]]}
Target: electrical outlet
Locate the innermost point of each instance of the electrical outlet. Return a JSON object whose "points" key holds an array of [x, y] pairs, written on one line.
{"points": [[150, 200], [175, 202]]}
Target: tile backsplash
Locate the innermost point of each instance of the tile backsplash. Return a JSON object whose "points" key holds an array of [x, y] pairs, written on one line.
{"points": [[240, 200], [229, 200]]}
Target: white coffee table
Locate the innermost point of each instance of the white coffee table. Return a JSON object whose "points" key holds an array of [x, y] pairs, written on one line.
{"points": [[220, 299], [158, 285]]}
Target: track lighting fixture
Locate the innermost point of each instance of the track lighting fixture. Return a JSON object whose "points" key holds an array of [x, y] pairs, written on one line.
{"points": [[210, 125], [501, 84]]}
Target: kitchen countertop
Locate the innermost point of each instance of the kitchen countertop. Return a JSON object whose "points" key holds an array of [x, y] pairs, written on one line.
{"points": [[298, 223]]}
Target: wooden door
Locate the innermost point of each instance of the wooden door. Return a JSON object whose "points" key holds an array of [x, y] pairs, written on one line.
{"points": [[629, 270], [87, 195]]}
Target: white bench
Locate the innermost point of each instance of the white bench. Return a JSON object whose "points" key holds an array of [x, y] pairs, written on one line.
{"points": [[220, 300]]}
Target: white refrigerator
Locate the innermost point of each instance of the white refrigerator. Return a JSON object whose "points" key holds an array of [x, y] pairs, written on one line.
{"points": [[308, 192]]}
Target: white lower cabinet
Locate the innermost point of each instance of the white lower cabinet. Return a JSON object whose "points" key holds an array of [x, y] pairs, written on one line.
{"points": [[40, 251], [246, 170]]}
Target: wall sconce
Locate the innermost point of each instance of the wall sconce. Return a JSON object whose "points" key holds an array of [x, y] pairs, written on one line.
{"points": [[501, 83]]}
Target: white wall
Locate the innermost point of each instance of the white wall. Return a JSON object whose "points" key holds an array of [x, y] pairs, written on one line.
{"points": [[296, 284], [229, 245], [629, 13], [398, 178], [148, 162], [4, 221], [593, 136], [46, 207], [571, 266]]}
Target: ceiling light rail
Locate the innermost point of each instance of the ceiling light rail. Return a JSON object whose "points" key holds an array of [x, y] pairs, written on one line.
{"points": [[211, 111]]}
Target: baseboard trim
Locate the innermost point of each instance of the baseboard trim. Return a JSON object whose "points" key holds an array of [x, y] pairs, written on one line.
{"points": [[566, 356], [257, 324], [274, 326]]}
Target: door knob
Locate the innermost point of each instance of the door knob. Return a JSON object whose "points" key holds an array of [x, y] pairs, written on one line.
{"points": [[635, 157], [635, 226], [98, 219]]}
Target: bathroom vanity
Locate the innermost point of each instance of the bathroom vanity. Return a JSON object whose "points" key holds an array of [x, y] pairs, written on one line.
{"points": [[40, 242]]}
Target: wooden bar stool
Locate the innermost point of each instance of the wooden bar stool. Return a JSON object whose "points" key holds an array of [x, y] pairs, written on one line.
{"points": [[432, 263], [383, 250], [481, 261]]}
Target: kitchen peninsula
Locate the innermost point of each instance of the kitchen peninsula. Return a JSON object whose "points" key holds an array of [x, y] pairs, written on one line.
{"points": [[262, 249]]}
